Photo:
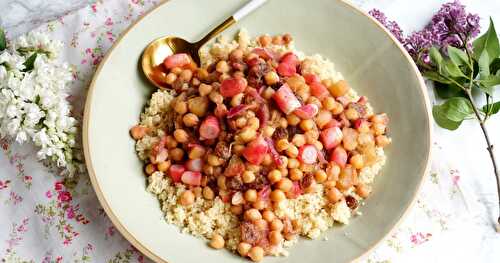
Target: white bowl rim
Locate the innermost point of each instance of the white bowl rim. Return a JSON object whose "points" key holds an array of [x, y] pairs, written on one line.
{"points": [[142, 248]]}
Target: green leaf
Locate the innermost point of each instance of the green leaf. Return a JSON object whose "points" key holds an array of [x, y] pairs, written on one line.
{"points": [[452, 69], [484, 65], [3, 40], [451, 113], [494, 108], [436, 58], [487, 42], [488, 84], [495, 66], [29, 64], [458, 56], [434, 76], [446, 91]]}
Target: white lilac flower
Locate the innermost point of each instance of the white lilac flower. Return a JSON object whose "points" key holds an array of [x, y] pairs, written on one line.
{"points": [[33, 104]]}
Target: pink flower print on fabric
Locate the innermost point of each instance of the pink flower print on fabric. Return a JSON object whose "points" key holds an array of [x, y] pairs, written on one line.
{"points": [[420, 238]]}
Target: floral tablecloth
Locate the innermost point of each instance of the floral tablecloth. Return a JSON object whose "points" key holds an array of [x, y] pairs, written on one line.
{"points": [[44, 218]]}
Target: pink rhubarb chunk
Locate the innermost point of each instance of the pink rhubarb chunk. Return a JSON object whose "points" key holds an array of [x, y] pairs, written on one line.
{"points": [[177, 60], [232, 86], [331, 137], [286, 100], [339, 156], [256, 151], [209, 128], [307, 111], [308, 154], [175, 172], [191, 178]]}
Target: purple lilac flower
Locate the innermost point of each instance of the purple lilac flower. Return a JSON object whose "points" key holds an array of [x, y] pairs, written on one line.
{"points": [[392, 26]]}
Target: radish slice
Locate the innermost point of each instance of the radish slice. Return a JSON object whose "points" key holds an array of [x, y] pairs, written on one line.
{"points": [[232, 86], [235, 111], [290, 58], [256, 151], [318, 90], [177, 60], [331, 137], [191, 178], [194, 165], [339, 156], [286, 100], [286, 70], [175, 172], [311, 78], [307, 111], [274, 153], [209, 128], [308, 154]]}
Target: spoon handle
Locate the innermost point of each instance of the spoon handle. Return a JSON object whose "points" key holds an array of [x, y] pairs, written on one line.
{"points": [[242, 12], [247, 9]]}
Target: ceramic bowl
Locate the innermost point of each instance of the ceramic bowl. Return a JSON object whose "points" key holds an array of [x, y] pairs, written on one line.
{"points": [[367, 55]]}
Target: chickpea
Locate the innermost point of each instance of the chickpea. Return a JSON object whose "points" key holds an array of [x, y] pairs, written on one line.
{"points": [[236, 99], [217, 241], [364, 127], [268, 215], [252, 214], [190, 120], [338, 108], [295, 174], [284, 172], [268, 93], [318, 145], [198, 105], [197, 191], [222, 67], [285, 185], [197, 152], [261, 224], [284, 164], [202, 73], [274, 176], [170, 142], [278, 40], [253, 123], [352, 114], [357, 161], [221, 182], [236, 209], [299, 140], [311, 136], [204, 89], [282, 145], [320, 176], [292, 151], [181, 135], [307, 125], [180, 107], [214, 160], [268, 160], [248, 177], [208, 193], [163, 166], [187, 198], [307, 168], [176, 154], [339, 88], [276, 225], [292, 119], [195, 82], [275, 237], [333, 171], [238, 148], [323, 118], [253, 168], [378, 128], [277, 196], [328, 103], [382, 140], [290, 236], [247, 134], [176, 70], [150, 169], [256, 253], [333, 195], [329, 184], [283, 123], [379, 118], [265, 40], [241, 122], [271, 78], [295, 82], [268, 131], [314, 100], [251, 195], [363, 190], [215, 97], [170, 78], [244, 248], [208, 170], [293, 163], [186, 75], [259, 204]]}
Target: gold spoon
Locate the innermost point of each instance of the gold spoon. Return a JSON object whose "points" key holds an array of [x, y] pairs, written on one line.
{"points": [[159, 49]]}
